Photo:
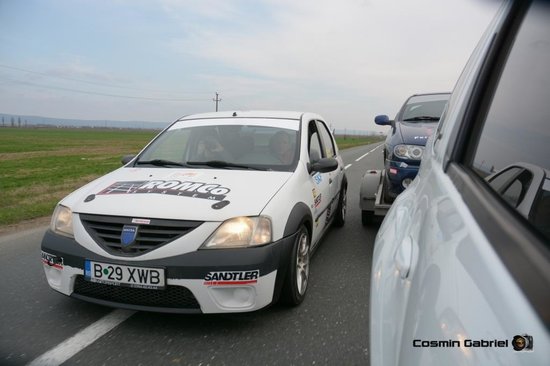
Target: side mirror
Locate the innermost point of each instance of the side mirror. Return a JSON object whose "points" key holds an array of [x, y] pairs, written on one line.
{"points": [[382, 120], [126, 159], [324, 165]]}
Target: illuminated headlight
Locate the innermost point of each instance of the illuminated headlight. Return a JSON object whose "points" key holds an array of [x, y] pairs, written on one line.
{"points": [[412, 152], [240, 232], [62, 221]]}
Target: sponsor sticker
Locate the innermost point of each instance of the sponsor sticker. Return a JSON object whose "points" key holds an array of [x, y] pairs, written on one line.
{"points": [[225, 278], [52, 260], [318, 200], [171, 187], [314, 192], [318, 178], [141, 221]]}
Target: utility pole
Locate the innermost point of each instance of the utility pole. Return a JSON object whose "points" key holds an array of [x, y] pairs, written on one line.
{"points": [[217, 99]]}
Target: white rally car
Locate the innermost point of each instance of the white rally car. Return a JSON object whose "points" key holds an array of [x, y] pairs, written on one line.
{"points": [[219, 213]]}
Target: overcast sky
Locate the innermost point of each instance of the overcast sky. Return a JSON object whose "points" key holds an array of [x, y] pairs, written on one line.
{"points": [[156, 60]]}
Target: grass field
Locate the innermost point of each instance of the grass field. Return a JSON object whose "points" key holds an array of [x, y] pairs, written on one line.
{"points": [[38, 167]]}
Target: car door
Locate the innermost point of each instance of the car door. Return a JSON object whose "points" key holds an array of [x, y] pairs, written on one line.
{"points": [[319, 182], [334, 177]]}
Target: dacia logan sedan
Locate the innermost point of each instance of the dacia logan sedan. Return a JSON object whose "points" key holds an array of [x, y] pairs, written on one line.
{"points": [[219, 213]]}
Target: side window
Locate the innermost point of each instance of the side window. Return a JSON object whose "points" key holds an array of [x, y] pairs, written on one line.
{"points": [[513, 193], [516, 130], [502, 179], [328, 143], [315, 151], [512, 184]]}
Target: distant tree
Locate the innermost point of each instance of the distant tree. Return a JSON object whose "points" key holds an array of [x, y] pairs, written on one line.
{"points": [[12, 122], [19, 121], [3, 123]]}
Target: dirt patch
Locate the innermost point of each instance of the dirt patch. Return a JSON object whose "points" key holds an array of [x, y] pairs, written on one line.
{"points": [[24, 225]]}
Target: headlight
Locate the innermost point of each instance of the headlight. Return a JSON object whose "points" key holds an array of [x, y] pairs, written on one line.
{"points": [[240, 232], [412, 152], [62, 221]]}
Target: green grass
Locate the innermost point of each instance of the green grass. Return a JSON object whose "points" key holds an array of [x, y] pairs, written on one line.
{"points": [[39, 166]]}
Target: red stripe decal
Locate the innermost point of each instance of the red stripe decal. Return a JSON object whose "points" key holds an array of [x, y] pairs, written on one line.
{"points": [[225, 283], [58, 266]]}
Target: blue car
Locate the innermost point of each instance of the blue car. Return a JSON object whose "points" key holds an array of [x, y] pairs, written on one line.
{"points": [[405, 143]]}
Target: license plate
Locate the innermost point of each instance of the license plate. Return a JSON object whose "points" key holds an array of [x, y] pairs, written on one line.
{"points": [[120, 275]]}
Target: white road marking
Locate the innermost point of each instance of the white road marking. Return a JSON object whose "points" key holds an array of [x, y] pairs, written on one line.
{"points": [[82, 339], [347, 166], [362, 156]]}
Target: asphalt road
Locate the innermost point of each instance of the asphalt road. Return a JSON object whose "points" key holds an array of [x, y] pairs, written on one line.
{"points": [[329, 328]]}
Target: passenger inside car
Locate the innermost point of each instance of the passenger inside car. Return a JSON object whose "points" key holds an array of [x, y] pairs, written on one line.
{"points": [[281, 148], [209, 148]]}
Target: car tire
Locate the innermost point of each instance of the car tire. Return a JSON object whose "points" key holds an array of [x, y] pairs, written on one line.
{"points": [[340, 218], [297, 278], [388, 197], [366, 217]]}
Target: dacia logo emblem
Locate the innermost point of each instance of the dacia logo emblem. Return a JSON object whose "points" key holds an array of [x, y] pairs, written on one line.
{"points": [[128, 236]]}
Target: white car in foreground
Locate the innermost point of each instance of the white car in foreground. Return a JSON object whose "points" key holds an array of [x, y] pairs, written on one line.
{"points": [[219, 213], [461, 263]]}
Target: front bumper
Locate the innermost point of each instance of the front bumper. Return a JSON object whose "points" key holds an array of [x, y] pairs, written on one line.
{"points": [[396, 173], [187, 287]]}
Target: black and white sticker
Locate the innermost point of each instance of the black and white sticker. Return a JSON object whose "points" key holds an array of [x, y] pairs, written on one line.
{"points": [[231, 278], [172, 187], [52, 260]]}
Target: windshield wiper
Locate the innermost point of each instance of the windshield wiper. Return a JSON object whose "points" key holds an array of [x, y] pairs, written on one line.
{"points": [[422, 118], [159, 162], [223, 164]]}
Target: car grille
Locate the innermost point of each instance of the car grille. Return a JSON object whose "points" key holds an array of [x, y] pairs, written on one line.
{"points": [[171, 297], [107, 232]]}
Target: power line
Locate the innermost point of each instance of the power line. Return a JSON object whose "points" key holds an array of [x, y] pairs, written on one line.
{"points": [[103, 94], [92, 82]]}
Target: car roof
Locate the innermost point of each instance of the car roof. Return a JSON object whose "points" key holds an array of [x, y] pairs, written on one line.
{"points": [[428, 94], [246, 114]]}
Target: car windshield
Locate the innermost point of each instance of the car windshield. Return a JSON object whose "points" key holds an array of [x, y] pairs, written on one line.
{"points": [[424, 108], [224, 146]]}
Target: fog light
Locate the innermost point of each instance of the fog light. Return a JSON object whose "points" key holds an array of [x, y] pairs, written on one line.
{"points": [[53, 275], [406, 182], [234, 297]]}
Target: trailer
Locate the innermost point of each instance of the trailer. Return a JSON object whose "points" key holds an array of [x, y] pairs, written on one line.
{"points": [[371, 200]]}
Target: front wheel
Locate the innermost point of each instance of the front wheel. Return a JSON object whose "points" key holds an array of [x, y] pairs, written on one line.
{"points": [[297, 279], [340, 218], [389, 197]]}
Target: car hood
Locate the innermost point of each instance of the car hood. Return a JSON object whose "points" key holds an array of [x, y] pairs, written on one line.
{"points": [[415, 133], [189, 194]]}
